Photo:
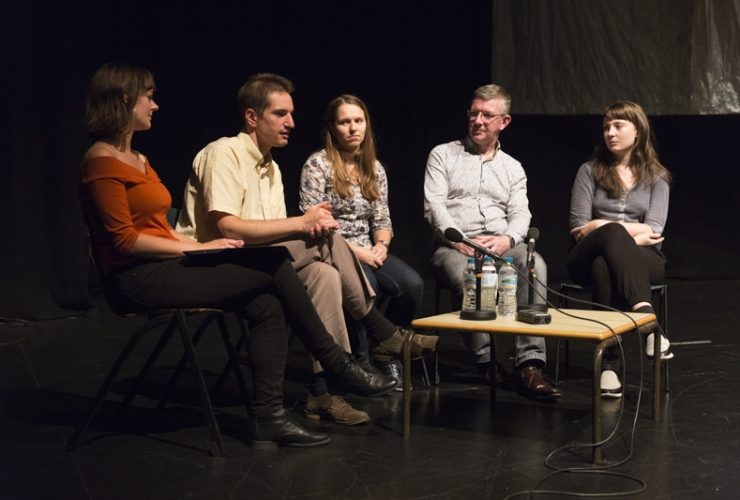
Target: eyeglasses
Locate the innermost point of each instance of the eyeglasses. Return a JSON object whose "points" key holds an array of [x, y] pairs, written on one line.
{"points": [[486, 117]]}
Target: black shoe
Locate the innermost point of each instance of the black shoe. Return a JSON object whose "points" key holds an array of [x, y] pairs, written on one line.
{"points": [[352, 377], [394, 370], [279, 430]]}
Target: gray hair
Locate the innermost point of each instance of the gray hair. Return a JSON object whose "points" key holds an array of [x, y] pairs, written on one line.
{"points": [[493, 91]]}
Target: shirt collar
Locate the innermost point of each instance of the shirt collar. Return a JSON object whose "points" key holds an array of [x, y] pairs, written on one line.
{"points": [[260, 161], [469, 146]]}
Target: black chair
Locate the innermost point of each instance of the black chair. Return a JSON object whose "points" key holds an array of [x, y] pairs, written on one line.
{"points": [[659, 291], [170, 320]]}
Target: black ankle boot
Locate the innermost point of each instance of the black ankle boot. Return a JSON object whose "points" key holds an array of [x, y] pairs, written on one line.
{"points": [[279, 430], [350, 376]]}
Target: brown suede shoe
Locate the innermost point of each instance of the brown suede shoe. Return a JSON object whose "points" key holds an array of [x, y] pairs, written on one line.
{"points": [[393, 346], [530, 383], [334, 409]]}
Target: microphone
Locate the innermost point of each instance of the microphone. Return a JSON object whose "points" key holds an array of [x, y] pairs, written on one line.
{"points": [[532, 235], [456, 236]]}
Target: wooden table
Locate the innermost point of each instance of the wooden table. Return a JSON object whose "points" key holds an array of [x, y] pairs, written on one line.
{"points": [[563, 326]]}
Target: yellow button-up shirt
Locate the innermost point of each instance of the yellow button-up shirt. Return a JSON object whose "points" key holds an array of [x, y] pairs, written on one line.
{"points": [[230, 175]]}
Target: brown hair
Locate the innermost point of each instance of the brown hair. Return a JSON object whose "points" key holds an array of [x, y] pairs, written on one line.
{"points": [[366, 157], [644, 163], [256, 91], [114, 89]]}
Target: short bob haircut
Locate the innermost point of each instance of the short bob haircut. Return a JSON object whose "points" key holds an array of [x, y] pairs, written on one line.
{"points": [[114, 89], [256, 91]]}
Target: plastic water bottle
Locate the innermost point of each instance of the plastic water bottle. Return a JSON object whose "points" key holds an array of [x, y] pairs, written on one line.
{"points": [[489, 283], [469, 302], [507, 289]]}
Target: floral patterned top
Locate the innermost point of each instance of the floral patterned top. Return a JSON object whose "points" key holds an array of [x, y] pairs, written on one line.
{"points": [[358, 218]]}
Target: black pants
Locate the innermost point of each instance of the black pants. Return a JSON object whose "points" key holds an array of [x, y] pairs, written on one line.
{"points": [[618, 272], [263, 291]]}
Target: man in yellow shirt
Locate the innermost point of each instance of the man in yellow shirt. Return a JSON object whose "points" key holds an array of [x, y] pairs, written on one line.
{"points": [[236, 190]]}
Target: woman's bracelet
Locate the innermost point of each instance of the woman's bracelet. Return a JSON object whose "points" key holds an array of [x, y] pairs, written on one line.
{"points": [[382, 242]]}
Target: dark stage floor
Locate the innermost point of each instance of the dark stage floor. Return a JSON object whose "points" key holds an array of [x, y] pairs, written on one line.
{"points": [[459, 448]]}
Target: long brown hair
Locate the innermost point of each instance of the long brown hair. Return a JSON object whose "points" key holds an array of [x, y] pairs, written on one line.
{"points": [[643, 162], [366, 156], [114, 89]]}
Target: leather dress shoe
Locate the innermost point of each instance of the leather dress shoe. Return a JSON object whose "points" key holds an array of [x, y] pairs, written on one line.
{"points": [[352, 377], [279, 430], [530, 383]]}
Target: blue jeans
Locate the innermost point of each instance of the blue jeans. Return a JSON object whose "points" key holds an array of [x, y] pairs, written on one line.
{"points": [[397, 284]]}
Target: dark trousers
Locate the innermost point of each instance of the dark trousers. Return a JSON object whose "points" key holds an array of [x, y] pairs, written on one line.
{"points": [[264, 292], [618, 272], [403, 288]]}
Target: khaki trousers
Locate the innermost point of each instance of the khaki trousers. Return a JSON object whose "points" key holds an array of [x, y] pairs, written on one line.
{"points": [[334, 280]]}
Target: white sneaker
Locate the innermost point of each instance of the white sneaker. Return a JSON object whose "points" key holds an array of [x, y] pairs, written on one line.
{"points": [[665, 347], [611, 387]]}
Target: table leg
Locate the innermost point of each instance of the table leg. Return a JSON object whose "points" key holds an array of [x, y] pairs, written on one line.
{"points": [[407, 384], [656, 371], [492, 371], [596, 435]]}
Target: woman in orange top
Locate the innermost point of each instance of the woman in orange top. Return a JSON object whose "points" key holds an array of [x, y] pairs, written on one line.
{"points": [[143, 265]]}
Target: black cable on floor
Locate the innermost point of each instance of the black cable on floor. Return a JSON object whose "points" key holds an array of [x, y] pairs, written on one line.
{"points": [[594, 468]]}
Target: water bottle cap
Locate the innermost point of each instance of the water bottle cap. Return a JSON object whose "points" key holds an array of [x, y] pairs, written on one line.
{"points": [[471, 260], [488, 258], [509, 259]]}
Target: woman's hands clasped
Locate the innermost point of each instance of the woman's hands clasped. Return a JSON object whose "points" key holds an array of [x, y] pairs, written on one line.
{"points": [[372, 256]]}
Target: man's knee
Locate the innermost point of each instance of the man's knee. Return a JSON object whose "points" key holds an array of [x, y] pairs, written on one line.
{"points": [[320, 278], [448, 265]]}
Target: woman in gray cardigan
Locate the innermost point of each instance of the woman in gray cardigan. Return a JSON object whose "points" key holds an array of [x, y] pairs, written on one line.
{"points": [[618, 209]]}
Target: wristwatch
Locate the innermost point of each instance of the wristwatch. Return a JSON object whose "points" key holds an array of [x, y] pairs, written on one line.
{"points": [[511, 241]]}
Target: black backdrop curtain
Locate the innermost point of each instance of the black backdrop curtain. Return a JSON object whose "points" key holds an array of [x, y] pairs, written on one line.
{"points": [[414, 62]]}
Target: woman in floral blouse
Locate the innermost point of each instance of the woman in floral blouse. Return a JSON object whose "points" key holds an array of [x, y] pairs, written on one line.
{"points": [[347, 174]]}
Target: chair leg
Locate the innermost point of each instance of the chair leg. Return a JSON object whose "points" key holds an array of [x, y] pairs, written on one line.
{"points": [[200, 384], [664, 326], [111, 377], [425, 373], [172, 384], [239, 345], [234, 360], [151, 359]]}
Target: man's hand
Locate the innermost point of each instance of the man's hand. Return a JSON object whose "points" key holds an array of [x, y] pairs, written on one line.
{"points": [[648, 239], [318, 221], [497, 244], [464, 249]]}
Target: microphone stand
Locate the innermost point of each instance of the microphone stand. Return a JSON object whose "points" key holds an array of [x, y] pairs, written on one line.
{"points": [[531, 306], [479, 314]]}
